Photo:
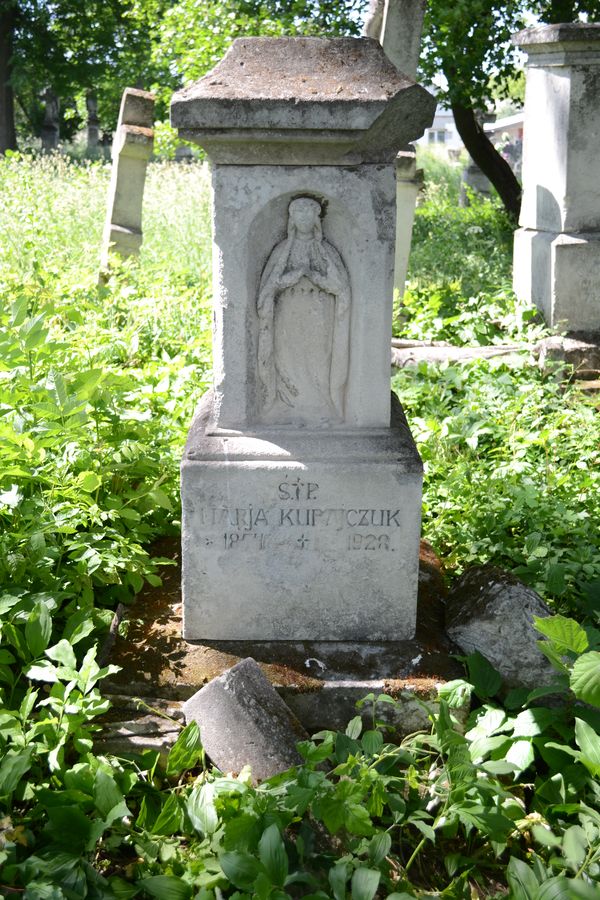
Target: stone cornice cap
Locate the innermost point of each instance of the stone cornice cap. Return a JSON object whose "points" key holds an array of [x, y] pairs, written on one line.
{"points": [[560, 44], [303, 99]]}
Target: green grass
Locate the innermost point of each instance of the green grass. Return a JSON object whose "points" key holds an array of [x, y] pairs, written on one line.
{"points": [[97, 389]]}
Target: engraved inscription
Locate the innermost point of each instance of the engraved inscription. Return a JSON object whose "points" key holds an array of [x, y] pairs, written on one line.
{"points": [[303, 308], [298, 490]]}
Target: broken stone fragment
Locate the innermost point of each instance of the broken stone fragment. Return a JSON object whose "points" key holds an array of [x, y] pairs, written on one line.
{"points": [[243, 721], [492, 612]]}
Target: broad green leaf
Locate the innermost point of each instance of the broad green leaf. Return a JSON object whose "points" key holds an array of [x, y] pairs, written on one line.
{"points": [[456, 693], [364, 883], [170, 819], [520, 755], [372, 742], [533, 721], [107, 793], [271, 851], [565, 634], [588, 742], [12, 768], [38, 629], [69, 828], [89, 482], [338, 876], [357, 819], [523, 883], [63, 653], [242, 832], [557, 888], [354, 727], [186, 752], [574, 846], [485, 679], [240, 868], [333, 814], [379, 847], [585, 678], [166, 887], [42, 671], [123, 890], [201, 809]]}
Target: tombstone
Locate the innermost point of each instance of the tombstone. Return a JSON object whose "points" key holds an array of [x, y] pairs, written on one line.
{"points": [[184, 153], [51, 125], [397, 25], [93, 123], [472, 178], [557, 246], [132, 148], [301, 483]]}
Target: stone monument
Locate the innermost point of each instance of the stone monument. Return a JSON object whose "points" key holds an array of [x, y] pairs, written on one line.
{"points": [[301, 483], [50, 132], [557, 247], [132, 148], [397, 25]]}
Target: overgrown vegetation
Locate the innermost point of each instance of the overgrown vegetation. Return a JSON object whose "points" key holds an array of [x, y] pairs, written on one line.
{"points": [[97, 388]]}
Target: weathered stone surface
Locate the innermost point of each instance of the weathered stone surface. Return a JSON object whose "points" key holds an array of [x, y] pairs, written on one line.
{"points": [[132, 148], [583, 355], [251, 219], [491, 611], [303, 100], [301, 491], [397, 25], [319, 680], [311, 536], [557, 247], [244, 721]]}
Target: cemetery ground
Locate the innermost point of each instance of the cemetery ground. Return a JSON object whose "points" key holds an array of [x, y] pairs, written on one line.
{"points": [[97, 387]]}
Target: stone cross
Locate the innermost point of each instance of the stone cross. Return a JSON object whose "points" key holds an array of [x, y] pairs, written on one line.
{"points": [[301, 483], [397, 25], [132, 149], [557, 247]]}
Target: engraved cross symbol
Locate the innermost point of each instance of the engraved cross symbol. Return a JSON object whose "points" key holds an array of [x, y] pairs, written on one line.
{"points": [[303, 541]]}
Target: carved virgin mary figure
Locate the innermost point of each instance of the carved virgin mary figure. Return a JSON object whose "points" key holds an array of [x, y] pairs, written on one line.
{"points": [[304, 325]]}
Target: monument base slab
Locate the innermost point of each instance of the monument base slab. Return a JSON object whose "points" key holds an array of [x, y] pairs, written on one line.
{"points": [[560, 274], [300, 534]]}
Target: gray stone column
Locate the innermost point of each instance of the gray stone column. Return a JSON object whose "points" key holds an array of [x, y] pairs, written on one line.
{"points": [[301, 484], [397, 25], [132, 148], [557, 247]]}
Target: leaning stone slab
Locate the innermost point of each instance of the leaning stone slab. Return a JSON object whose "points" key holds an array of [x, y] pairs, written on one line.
{"points": [[243, 721], [491, 611], [132, 148]]}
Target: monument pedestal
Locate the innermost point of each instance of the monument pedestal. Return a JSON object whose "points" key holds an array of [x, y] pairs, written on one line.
{"points": [[557, 247], [301, 486], [300, 534], [560, 274]]}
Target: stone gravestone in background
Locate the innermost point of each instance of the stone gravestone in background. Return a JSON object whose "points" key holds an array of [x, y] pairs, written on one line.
{"points": [[301, 483], [397, 25], [132, 148], [557, 247]]}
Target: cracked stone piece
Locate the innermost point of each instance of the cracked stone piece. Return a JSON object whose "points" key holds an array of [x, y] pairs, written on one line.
{"points": [[243, 721], [492, 612]]}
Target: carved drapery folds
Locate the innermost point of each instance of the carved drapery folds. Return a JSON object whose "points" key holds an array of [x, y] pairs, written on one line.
{"points": [[303, 309]]}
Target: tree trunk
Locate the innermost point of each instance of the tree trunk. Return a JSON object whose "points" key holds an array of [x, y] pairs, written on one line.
{"points": [[485, 155], [8, 136]]}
